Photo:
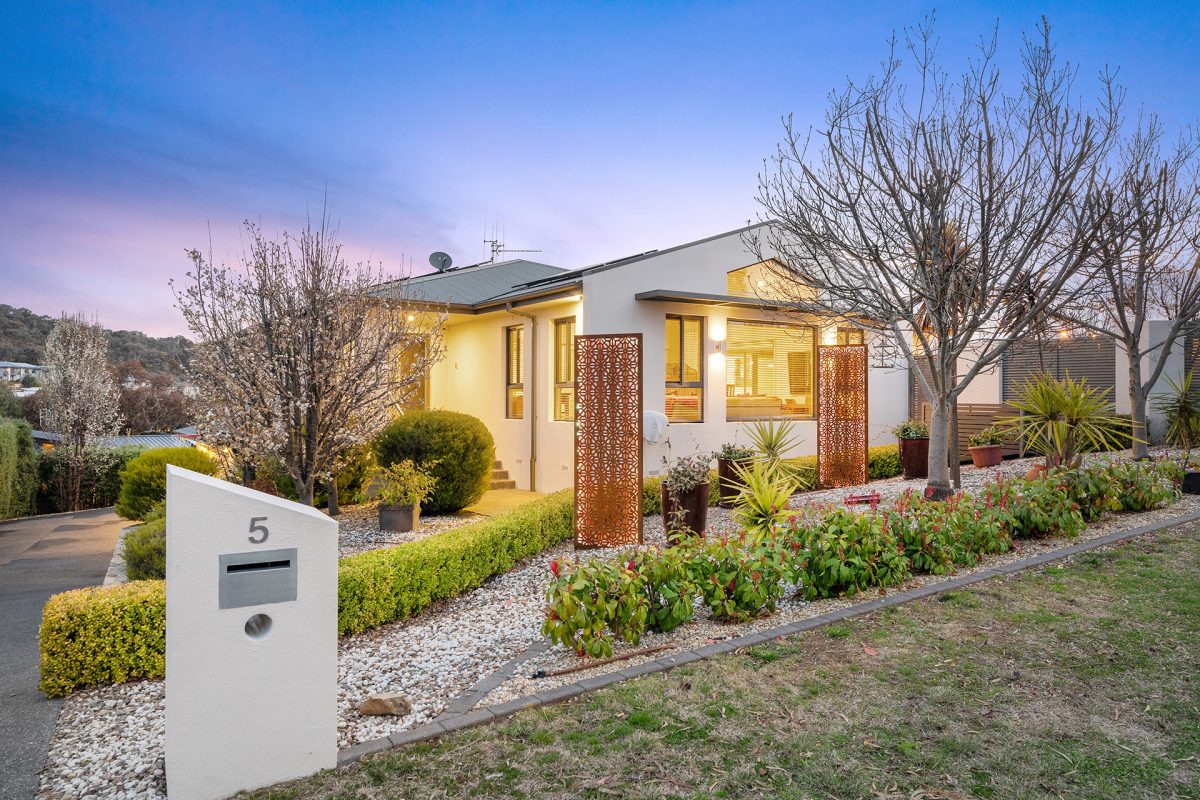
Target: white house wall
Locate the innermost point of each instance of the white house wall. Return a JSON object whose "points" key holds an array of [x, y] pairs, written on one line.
{"points": [[609, 307]]}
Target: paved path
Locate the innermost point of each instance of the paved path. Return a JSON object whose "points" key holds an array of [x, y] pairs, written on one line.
{"points": [[498, 501], [39, 557]]}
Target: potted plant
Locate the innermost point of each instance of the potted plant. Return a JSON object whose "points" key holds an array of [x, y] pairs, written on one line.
{"points": [[730, 459], [914, 448], [401, 488], [684, 494], [986, 447], [1181, 407]]}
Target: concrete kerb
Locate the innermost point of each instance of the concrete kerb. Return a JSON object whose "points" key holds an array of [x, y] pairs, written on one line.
{"points": [[448, 722]]}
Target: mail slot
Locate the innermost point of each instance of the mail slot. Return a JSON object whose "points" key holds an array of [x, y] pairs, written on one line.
{"points": [[256, 578]]}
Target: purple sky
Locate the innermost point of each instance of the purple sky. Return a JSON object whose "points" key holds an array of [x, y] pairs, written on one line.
{"points": [[588, 130]]}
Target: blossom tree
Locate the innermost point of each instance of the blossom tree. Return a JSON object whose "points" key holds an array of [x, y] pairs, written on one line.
{"points": [[296, 359], [942, 213], [81, 396]]}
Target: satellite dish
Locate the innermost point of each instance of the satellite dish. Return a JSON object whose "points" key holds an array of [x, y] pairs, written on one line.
{"points": [[440, 261]]}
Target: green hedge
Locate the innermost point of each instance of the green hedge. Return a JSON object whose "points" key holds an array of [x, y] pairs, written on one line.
{"points": [[99, 485], [115, 633], [882, 462], [104, 634], [145, 551], [18, 469], [144, 479], [380, 586]]}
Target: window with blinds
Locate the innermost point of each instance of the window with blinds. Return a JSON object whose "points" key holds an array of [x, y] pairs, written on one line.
{"points": [[770, 371], [685, 368], [514, 373], [563, 399]]}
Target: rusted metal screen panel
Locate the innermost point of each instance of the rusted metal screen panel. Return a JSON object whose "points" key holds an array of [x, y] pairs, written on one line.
{"points": [[842, 415], [608, 440]]}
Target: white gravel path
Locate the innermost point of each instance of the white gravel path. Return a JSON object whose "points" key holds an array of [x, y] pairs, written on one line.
{"points": [[359, 528], [108, 741]]}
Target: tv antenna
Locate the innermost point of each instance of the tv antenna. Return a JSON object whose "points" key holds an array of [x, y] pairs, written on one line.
{"points": [[496, 245]]}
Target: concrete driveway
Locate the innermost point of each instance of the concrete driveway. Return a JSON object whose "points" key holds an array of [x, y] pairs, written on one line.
{"points": [[39, 556]]}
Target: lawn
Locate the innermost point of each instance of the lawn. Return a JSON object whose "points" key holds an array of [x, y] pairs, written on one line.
{"points": [[1080, 680]]}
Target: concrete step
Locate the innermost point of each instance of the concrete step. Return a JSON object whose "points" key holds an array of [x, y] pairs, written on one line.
{"points": [[503, 484], [499, 474], [497, 464]]}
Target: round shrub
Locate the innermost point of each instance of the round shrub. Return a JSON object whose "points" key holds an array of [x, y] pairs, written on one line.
{"points": [[144, 479], [455, 448], [145, 551]]}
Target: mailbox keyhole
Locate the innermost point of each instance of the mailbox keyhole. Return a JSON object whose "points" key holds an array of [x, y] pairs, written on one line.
{"points": [[258, 626]]}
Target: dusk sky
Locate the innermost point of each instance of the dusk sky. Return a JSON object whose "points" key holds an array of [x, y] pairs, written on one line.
{"points": [[589, 131]]}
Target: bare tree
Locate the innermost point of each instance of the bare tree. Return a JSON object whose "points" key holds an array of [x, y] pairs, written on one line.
{"points": [[1148, 220], [294, 359], [933, 205], [81, 397]]}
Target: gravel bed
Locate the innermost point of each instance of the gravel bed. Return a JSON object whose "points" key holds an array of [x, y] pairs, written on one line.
{"points": [[109, 741], [359, 531]]}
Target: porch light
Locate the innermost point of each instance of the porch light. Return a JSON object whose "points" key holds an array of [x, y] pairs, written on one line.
{"points": [[716, 330], [411, 317], [829, 335], [1064, 334]]}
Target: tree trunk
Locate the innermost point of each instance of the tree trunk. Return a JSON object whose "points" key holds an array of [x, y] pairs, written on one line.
{"points": [[939, 466], [331, 491], [247, 473], [304, 492], [1137, 410], [952, 451]]}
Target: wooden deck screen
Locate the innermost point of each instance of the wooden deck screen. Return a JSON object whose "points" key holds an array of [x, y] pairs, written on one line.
{"points": [[842, 415], [608, 440]]}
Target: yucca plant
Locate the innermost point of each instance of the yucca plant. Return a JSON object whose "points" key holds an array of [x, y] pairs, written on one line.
{"points": [[773, 438], [1065, 419], [1181, 406], [762, 502]]}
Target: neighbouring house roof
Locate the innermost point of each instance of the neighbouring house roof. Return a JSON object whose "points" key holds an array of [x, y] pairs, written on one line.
{"points": [[19, 365], [468, 286], [150, 441]]}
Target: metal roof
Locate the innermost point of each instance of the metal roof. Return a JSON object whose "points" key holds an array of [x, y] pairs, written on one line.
{"points": [[468, 286], [151, 441]]}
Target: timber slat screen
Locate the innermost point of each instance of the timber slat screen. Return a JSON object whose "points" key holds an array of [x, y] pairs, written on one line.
{"points": [[608, 440], [842, 415], [973, 418]]}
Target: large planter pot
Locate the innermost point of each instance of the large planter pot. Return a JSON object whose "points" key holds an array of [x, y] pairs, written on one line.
{"points": [[695, 512], [987, 455], [728, 481], [398, 518], [1191, 483], [914, 458]]}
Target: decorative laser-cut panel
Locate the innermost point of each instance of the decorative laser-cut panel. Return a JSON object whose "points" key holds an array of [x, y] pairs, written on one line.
{"points": [[608, 440], [842, 415]]}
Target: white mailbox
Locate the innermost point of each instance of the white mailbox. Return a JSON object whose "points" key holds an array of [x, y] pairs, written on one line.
{"points": [[251, 638]]}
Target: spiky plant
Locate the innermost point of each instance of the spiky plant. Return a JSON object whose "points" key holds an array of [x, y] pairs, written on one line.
{"points": [[1065, 419]]}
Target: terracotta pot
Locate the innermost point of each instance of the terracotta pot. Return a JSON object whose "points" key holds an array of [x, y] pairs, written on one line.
{"points": [[398, 518], [695, 511], [987, 455], [914, 457], [1035, 472], [728, 481]]}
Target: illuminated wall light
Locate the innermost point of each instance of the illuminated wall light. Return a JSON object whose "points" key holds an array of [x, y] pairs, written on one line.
{"points": [[716, 329], [1064, 334], [829, 335], [411, 317]]}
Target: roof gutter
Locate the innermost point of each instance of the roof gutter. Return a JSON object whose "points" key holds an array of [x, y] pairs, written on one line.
{"points": [[532, 394]]}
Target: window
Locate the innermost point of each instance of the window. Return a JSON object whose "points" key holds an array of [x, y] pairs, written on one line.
{"points": [[514, 380], [766, 279], [564, 369], [417, 396], [685, 369], [847, 335], [770, 371]]}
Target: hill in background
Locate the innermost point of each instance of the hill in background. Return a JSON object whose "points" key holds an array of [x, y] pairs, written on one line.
{"points": [[23, 338]]}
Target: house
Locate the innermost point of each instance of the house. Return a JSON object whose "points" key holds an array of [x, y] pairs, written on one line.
{"points": [[716, 355], [149, 441], [16, 370]]}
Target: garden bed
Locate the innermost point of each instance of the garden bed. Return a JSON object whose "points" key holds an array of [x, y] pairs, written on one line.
{"points": [[109, 739], [359, 531]]}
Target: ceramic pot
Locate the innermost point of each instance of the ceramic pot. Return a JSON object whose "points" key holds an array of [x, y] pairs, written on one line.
{"points": [[914, 457], [987, 455], [401, 519]]}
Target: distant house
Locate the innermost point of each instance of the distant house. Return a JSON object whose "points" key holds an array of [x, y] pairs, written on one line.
{"points": [[16, 370], [146, 441]]}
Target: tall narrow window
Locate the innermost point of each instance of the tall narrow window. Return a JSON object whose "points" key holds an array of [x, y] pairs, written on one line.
{"points": [[770, 371], [685, 369], [848, 335], [564, 369], [514, 380], [417, 397]]}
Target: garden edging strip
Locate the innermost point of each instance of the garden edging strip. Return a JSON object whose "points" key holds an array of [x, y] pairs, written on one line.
{"points": [[449, 721]]}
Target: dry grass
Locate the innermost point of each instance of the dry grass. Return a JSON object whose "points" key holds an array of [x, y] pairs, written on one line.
{"points": [[1075, 681]]}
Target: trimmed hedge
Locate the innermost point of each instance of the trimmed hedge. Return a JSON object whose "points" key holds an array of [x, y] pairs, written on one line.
{"points": [[380, 586], [18, 469], [116, 633], [144, 479], [455, 448], [99, 485], [103, 634]]}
